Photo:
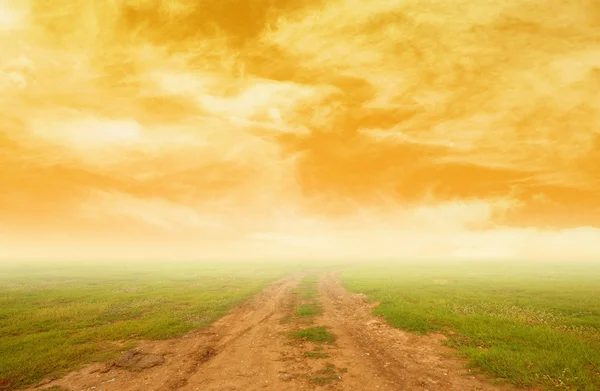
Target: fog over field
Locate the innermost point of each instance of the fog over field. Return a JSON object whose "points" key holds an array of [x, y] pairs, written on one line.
{"points": [[331, 129]]}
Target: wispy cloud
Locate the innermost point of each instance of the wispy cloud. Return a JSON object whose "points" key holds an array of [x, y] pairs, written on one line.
{"points": [[343, 128]]}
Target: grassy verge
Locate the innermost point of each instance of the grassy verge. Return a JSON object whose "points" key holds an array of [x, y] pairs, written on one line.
{"points": [[528, 323], [54, 318]]}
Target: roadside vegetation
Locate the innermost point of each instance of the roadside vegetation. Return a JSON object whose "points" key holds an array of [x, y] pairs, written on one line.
{"points": [[307, 306], [307, 288], [315, 354], [57, 317], [327, 375], [527, 323], [317, 334]]}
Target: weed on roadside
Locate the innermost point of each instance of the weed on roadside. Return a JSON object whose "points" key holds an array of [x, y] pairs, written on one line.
{"points": [[317, 334], [328, 374], [307, 310], [316, 355], [307, 289]]}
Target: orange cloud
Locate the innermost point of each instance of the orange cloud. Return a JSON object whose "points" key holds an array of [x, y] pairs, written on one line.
{"points": [[334, 129]]}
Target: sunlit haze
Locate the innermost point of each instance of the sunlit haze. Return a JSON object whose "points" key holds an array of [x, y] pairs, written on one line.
{"points": [[299, 129]]}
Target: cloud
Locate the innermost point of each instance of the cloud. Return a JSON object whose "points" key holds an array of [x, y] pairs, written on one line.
{"points": [[85, 132], [395, 128], [11, 16], [157, 213]]}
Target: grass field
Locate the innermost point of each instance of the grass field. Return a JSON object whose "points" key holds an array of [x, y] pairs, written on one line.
{"points": [[527, 323], [56, 317]]}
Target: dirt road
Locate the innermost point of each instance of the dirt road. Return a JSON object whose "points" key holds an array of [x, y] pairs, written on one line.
{"points": [[250, 349]]}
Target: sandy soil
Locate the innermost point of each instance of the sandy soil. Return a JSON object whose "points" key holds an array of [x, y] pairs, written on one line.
{"points": [[250, 349]]}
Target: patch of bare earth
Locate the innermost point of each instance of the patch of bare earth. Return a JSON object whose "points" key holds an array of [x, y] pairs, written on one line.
{"points": [[250, 349]]}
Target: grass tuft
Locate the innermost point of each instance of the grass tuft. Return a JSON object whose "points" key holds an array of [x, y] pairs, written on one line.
{"points": [[308, 310], [316, 355], [328, 375], [317, 334], [307, 289]]}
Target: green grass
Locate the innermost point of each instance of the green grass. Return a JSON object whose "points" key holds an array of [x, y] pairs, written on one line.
{"points": [[307, 289], [306, 293], [528, 323], [317, 334], [316, 355], [328, 374], [57, 317], [307, 310]]}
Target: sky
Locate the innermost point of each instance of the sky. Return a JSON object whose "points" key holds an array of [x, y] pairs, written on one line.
{"points": [[300, 129]]}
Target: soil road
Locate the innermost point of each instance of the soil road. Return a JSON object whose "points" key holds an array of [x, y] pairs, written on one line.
{"points": [[250, 349]]}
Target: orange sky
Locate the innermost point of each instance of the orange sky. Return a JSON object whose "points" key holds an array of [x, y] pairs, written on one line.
{"points": [[265, 128]]}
